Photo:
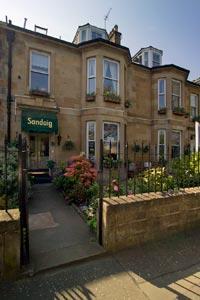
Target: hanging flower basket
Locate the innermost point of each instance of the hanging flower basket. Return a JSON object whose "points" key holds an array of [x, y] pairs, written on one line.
{"points": [[136, 148], [68, 145]]}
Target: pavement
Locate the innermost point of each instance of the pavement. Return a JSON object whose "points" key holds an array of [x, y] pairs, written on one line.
{"points": [[58, 235], [166, 269]]}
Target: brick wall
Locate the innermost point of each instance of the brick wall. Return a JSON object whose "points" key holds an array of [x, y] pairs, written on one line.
{"points": [[132, 220], [9, 243]]}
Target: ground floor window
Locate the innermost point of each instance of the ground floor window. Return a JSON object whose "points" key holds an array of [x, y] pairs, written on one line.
{"points": [[176, 143], [91, 141], [111, 139], [161, 144]]}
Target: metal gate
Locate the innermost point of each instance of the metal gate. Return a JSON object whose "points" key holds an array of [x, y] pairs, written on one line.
{"points": [[23, 198]]}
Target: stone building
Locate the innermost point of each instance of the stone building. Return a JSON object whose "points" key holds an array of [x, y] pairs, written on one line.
{"points": [[65, 97]]}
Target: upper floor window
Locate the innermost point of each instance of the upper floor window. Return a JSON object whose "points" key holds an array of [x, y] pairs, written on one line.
{"points": [[156, 59], [161, 144], [176, 93], [146, 59], [176, 143], [91, 76], [83, 35], [96, 35], [111, 76], [161, 93], [39, 72], [193, 105]]}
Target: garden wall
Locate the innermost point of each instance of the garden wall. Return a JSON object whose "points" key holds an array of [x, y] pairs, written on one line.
{"points": [[9, 243], [132, 220]]}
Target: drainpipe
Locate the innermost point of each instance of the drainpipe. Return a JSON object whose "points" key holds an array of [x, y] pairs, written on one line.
{"points": [[10, 39]]}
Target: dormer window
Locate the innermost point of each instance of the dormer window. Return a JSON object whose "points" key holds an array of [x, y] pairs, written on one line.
{"points": [[156, 59], [96, 35], [146, 59], [83, 35]]}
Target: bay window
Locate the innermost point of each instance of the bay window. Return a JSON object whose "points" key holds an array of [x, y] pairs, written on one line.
{"points": [[161, 93], [39, 72], [111, 139], [176, 143], [193, 105], [111, 76], [91, 76], [91, 140], [176, 94], [161, 144]]}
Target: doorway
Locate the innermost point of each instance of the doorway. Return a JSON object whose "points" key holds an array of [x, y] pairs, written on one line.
{"points": [[39, 150]]}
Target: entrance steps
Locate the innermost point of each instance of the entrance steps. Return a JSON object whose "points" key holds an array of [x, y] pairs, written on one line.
{"points": [[40, 175]]}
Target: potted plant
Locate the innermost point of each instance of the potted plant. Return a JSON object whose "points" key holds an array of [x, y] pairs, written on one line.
{"points": [[68, 145], [127, 103], [111, 97], [50, 165], [90, 96], [38, 92], [179, 110], [145, 149]]}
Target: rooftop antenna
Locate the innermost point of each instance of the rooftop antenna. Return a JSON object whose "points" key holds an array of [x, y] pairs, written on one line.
{"points": [[6, 19], [106, 17], [25, 20]]}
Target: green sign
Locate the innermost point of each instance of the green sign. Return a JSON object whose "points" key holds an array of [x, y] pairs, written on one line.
{"points": [[39, 121]]}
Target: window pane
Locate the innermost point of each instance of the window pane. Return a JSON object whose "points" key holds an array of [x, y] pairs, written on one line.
{"points": [[176, 88], [91, 85], [96, 35], [110, 132], [175, 151], [40, 62], [176, 101], [161, 101], [91, 65], [161, 86], [161, 137], [146, 58], [91, 133], [110, 85], [83, 35], [110, 70], [161, 150], [39, 81], [175, 138], [156, 59]]}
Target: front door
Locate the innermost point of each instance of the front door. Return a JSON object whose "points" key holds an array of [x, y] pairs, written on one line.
{"points": [[39, 151]]}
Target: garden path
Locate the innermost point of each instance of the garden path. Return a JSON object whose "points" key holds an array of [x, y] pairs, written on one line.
{"points": [[58, 235]]}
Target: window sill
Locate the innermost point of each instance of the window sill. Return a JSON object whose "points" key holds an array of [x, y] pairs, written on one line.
{"points": [[39, 93], [179, 111]]}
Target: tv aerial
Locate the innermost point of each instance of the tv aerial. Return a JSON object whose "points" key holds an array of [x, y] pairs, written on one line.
{"points": [[106, 17]]}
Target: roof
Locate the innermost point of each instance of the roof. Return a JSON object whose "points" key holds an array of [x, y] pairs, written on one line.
{"points": [[88, 24], [171, 66]]}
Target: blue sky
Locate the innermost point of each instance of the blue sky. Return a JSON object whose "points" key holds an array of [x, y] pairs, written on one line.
{"points": [[170, 25]]}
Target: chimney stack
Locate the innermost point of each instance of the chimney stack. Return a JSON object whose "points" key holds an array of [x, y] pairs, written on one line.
{"points": [[115, 35]]}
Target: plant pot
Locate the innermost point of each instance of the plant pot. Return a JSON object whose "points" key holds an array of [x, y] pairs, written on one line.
{"points": [[39, 93], [111, 99], [90, 98], [162, 111]]}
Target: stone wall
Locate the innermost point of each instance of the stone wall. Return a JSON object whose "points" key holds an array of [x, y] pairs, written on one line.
{"points": [[9, 243], [132, 220]]}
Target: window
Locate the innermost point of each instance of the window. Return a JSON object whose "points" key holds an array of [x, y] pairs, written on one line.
{"points": [[83, 35], [156, 59], [146, 59], [111, 76], [176, 93], [176, 144], [111, 138], [161, 93], [96, 35], [91, 141], [91, 76], [39, 72], [197, 136], [161, 144], [193, 105]]}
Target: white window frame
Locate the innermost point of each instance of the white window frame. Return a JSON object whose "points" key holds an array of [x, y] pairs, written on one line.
{"points": [[165, 145], [118, 137], [88, 75], [197, 136], [118, 80], [30, 67], [88, 140], [146, 60], [180, 140], [197, 104], [180, 96], [160, 94]]}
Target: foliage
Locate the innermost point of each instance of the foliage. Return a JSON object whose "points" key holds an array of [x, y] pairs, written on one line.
{"points": [[111, 96], [9, 186], [136, 148], [68, 145], [50, 164]]}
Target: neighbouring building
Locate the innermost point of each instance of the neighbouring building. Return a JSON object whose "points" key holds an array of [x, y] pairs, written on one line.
{"points": [[64, 97]]}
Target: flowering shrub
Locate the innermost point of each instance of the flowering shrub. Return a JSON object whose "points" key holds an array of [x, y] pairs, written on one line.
{"points": [[81, 170]]}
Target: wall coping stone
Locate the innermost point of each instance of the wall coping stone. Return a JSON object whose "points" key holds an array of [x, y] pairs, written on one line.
{"points": [[9, 220]]}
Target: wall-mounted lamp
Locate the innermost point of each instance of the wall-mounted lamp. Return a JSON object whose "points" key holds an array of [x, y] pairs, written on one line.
{"points": [[59, 138]]}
